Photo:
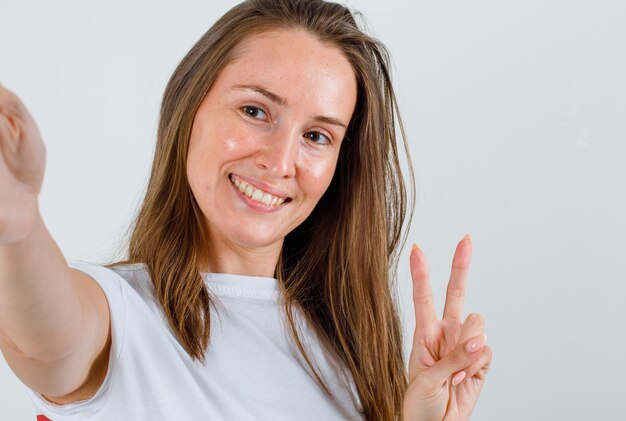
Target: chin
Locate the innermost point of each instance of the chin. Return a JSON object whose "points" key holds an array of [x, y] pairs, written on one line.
{"points": [[255, 238]]}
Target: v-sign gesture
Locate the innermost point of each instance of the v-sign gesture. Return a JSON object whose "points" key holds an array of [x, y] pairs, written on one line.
{"points": [[449, 359]]}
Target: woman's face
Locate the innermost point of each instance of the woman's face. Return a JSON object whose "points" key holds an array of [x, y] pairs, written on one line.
{"points": [[266, 138]]}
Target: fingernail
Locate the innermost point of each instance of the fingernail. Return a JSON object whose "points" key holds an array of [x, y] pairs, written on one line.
{"points": [[467, 236], [476, 343], [458, 378], [415, 247]]}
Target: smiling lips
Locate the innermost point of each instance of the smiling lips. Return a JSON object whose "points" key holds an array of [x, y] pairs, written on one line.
{"points": [[256, 194]]}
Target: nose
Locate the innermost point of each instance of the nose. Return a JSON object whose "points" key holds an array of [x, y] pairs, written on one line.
{"points": [[279, 153]]}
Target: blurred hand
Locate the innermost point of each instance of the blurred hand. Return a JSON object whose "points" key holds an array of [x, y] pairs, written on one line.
{"points": [[449, 359], [22, 162]]}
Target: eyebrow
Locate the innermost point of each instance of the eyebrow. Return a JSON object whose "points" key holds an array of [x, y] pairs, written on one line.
{"points": [[277, 99]]}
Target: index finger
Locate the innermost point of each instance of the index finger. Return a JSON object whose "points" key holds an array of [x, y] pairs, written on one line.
{"points": [[422, 293]]}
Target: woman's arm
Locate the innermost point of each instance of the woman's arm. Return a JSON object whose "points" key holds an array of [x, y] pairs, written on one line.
{"points": [[54, 321]]}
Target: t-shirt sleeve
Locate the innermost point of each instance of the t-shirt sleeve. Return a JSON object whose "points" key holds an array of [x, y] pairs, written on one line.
{"points": [[112, 285]]}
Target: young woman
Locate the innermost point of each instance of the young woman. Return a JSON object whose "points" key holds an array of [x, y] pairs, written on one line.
{"points": [[258, 279]]}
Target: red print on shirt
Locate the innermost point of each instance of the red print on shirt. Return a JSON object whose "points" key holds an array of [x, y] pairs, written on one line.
{"points": [[42, 417]]}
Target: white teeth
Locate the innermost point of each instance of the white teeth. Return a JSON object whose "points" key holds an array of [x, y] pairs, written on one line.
{"points": [[267, 199], [256, 194]]}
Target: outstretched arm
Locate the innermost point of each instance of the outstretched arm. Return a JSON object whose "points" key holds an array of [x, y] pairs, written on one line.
{"points": [[54, 320]]}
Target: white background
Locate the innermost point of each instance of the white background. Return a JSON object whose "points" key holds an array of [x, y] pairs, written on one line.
{"points": [[516, 118]]}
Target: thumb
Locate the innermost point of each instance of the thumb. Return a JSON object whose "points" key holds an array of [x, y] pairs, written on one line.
{"points": [[461, 357]]}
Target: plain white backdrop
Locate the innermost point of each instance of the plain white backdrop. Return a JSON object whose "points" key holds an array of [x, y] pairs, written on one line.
{"points": [[516, 117]]}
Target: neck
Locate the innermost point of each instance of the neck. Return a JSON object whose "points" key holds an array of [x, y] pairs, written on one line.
{"points": [[226, 256]]}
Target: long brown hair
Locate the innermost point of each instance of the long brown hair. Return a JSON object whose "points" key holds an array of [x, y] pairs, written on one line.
{"points": [[338, 267]]}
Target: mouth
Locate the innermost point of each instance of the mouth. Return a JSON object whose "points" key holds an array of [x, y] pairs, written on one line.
{"points": [[256, 194]]}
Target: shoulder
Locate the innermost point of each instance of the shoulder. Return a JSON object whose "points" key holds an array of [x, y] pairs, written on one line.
{"points": [[137, 277]]}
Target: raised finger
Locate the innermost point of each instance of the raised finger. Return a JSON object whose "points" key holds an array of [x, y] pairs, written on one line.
{"points": [[453, 309], [422, 293]]}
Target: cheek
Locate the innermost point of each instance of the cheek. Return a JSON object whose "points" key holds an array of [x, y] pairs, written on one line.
{"points": [[210, 151], [319, 175], [229, 141], [193, 164]]}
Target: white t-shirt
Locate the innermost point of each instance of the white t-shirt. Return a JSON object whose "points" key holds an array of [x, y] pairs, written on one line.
{"points": [[253, 370]]}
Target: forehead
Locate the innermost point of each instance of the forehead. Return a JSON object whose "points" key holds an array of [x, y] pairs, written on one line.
{"points": [[295, 65]]}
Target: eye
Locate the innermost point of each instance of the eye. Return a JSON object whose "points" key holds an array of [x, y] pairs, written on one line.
{"points": [[317, 137], [254, 112]]}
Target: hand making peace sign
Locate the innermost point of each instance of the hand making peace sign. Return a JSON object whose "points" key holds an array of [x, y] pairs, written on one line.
{"points": [[449, 359]]}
